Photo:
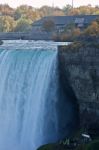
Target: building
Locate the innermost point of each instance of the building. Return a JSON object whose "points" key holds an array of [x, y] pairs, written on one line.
{"points": [[61, 22]]}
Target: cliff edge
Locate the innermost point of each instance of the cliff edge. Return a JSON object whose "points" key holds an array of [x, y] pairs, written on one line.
{"points": [[79, 64]]}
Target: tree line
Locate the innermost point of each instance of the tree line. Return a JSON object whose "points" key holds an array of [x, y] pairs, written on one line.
{"points": [[21, 18], [73, 33]]}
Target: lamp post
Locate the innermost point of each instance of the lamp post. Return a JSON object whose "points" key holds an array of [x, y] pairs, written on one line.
{"points": [[72, 5], [53, 8]]}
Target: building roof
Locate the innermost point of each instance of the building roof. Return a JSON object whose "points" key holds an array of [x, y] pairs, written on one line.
{"points": [[64, 20]]}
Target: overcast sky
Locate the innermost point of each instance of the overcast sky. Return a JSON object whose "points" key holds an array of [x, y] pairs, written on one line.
{"points": [[39, 3]]}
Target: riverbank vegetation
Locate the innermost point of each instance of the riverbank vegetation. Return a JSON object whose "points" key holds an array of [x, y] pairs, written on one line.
{"points": [[21, 18], [72, 33], [82, 140], [73, 145]]}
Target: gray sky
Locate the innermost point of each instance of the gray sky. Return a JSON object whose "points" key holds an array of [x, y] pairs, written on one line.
{"points": [[39, 3]]}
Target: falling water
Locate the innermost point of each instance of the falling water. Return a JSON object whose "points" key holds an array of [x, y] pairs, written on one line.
{"points": [[31, 107]]}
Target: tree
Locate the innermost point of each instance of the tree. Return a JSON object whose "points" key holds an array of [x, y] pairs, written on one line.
{"points": [[26, 12], [67, 9], [76, 33], [93, 29], [17, 15], [46, 11], [7, 24], [23, 25], [6, 10], [48, 25], [57, 12], [69, 27]]}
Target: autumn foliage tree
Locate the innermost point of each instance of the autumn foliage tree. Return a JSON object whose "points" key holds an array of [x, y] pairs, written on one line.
{"points": [[7, 24], [27, 12], [48, 25], [6, 10], [93, 29]]}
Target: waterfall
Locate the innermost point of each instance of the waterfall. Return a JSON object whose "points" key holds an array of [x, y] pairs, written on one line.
{"points": [[33, 108]]}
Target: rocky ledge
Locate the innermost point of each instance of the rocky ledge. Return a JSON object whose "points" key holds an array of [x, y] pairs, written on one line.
{"points": [[79, 64], [1, 42]]}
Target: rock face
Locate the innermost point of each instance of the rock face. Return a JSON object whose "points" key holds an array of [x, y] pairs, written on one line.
{"points": [[79, 64], [1, 42]]}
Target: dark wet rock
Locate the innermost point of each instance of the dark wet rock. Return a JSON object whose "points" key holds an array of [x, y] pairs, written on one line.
{"points": [[1, 42], [80, 65]]}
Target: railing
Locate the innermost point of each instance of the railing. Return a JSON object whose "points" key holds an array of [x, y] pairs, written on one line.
{"points": [[25, 36]]}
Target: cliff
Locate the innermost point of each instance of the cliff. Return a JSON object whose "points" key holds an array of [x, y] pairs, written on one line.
{"points": [[79, 64]]}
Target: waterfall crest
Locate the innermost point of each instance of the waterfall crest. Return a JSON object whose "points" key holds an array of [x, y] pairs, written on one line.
{"points": [[30, 101]]}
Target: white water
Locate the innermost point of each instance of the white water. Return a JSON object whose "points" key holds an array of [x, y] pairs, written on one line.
{"points": [[30, 107], [20, 44]]}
